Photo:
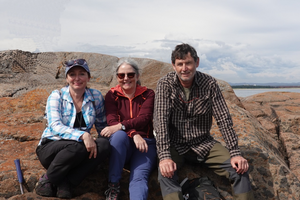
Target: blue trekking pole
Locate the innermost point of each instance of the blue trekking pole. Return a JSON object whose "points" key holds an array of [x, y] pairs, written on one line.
{"points": [[20, 175]]}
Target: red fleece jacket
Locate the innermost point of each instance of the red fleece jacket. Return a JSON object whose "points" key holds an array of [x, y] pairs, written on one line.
{"points": [[135, 114]]}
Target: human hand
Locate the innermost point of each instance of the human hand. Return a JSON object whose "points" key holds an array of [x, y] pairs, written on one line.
{"points": [[109, 130], [167, 168], [140, 143], [240, 164], [90, 144]]}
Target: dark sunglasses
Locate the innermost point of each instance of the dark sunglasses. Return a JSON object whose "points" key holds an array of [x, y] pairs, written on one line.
{"points": [[74, 62], [122, 75]]}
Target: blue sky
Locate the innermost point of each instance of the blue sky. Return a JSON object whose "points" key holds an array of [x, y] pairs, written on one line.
{"points": [[253, 41]]}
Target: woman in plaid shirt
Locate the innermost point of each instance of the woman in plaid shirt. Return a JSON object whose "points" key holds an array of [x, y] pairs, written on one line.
{"points": [[66, 149]]}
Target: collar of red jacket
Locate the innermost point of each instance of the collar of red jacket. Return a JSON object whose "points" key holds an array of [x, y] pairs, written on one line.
{"points": [[139, 90]]}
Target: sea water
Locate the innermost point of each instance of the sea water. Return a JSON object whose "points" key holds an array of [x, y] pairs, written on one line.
{"points": [[249, 92]]}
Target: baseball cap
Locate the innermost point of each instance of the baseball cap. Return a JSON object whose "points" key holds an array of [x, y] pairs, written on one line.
{"points": [[76, 62]]}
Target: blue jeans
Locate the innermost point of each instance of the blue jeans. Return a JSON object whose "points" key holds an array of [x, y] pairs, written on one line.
{"points": [[123, 152]]}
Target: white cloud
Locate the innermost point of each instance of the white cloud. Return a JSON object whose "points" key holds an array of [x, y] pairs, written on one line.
{"points": [[25, 44], [257, 41]]}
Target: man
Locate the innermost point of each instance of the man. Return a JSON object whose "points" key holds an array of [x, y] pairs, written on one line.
{"points": [[185, 102]]}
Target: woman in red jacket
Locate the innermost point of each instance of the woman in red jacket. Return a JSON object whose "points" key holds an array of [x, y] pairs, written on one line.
{"points": [[129, 112]]}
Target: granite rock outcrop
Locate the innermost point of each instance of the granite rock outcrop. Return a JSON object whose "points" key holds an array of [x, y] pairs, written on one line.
{"points": [[267, 126]]}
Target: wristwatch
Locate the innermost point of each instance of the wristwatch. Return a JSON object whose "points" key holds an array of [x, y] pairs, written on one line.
{"points": [[123, 127]]}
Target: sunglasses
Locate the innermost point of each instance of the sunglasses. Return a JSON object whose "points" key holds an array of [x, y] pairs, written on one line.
{"points": [[122, 75], [74, 62]]}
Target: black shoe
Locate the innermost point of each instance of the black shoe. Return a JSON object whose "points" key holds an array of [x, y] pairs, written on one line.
{"points": [[113, 191], [44, 187], [64, 190]]}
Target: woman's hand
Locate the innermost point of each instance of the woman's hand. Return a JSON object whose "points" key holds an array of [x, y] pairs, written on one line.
{"points": [[109, 130], [90, 144], [140, 143]]}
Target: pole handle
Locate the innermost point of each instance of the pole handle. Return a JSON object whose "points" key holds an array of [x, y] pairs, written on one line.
{"points": [[19, 171]]}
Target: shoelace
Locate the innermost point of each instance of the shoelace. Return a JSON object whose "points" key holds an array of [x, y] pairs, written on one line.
{"points": [[112, 191], [44, 181]]}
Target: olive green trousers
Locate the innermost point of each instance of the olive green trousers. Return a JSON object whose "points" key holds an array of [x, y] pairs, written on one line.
{"points": [[218, 160]]}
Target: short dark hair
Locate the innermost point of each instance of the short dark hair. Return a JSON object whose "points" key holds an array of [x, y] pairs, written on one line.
{"points": [[182, 50]]}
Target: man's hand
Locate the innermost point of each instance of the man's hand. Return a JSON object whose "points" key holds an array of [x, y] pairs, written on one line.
{"points": [[90, 144], [240, 164], [167, 168], [140, 143], [109, 130]]}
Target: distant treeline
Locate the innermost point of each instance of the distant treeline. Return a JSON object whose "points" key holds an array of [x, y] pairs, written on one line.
{"points": [[259, 86], [250, 86]]}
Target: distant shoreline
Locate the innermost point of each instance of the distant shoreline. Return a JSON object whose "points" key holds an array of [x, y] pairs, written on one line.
{"points": [[245, 92], [262, 87]]}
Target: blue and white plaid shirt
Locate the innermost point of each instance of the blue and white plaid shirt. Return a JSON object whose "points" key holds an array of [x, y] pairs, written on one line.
{"points": [[61, 114]]}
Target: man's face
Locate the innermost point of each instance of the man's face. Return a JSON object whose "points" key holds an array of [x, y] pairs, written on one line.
{"points": [[186, 69]]}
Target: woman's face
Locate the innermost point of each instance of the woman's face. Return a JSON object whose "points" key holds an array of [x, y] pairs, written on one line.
{"points": [[77, 78], [126, 82]]}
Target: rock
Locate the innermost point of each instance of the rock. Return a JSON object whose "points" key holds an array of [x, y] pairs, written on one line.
{"points": [[280, 112], [228, 93], [267, 126], [292, 146]]}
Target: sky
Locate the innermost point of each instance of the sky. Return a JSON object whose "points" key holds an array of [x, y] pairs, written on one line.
{"points": [[255, 41]]}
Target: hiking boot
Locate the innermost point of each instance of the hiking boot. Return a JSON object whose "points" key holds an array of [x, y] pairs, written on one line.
{"points": [[44, 188], [113, 191], [64, 190]]}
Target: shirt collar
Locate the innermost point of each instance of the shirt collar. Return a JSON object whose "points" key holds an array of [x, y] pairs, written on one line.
{"points": [[139, 90], [65, 92], [195, 82]]}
